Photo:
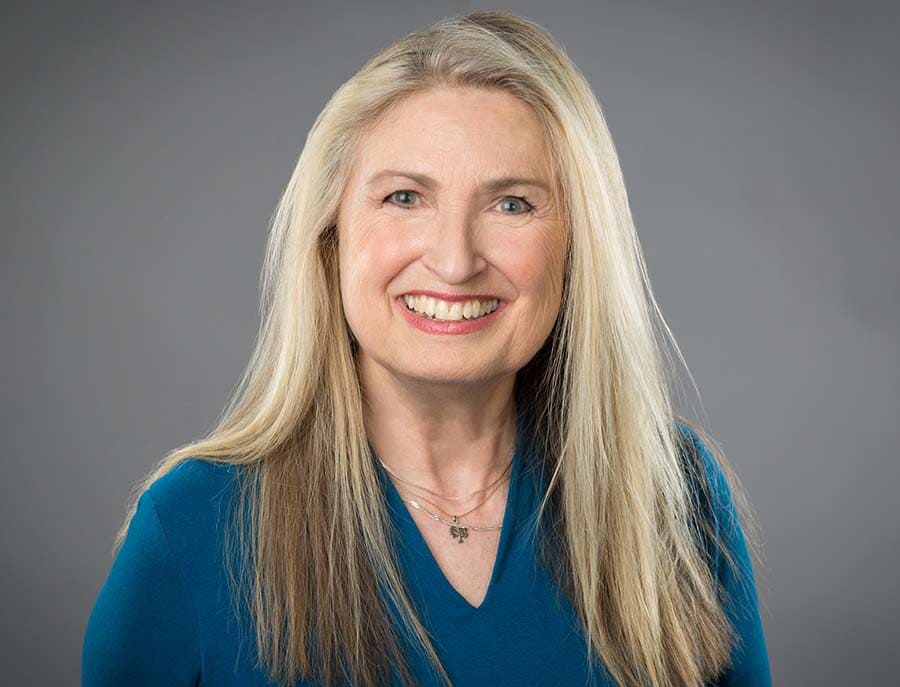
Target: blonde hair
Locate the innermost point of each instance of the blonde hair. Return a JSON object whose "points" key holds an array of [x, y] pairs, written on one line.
{"points": [[315, 562]]}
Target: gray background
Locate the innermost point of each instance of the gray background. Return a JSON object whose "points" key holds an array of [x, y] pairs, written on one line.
{"points": [[144, 149]]}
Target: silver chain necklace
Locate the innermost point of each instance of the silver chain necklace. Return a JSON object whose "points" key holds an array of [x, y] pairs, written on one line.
{"points": [[458, 530]]}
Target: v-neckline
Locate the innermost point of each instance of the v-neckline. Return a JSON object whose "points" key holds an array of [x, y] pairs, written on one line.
{"points": [[413, 536]]}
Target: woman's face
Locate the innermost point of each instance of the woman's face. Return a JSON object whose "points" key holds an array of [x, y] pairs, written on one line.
{"points": [[451, 246]]}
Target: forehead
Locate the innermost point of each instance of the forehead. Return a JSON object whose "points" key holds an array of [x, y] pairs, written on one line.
{"points": [[457, 129]]}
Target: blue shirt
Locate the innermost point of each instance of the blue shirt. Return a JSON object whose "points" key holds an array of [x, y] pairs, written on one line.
{"points": [[163, 615]]}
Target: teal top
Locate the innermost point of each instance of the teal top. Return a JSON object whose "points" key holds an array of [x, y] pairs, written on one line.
{"points": [[163, 617]]}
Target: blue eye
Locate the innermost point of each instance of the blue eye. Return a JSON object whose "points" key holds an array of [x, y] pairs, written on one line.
{"points": [[391, 198], [406, 199], [517, 202]]}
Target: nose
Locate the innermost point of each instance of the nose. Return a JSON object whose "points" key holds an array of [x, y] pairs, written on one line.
{"points": [[451, 250]]}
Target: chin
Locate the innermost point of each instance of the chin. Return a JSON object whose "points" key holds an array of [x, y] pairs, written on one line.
{"points": [[441, 372]]}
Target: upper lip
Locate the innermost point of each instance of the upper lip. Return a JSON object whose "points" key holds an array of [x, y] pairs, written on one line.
{"points": [[451, 297]]}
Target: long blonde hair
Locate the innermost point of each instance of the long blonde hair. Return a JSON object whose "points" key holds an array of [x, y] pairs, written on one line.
{"points": [[315, 561]]}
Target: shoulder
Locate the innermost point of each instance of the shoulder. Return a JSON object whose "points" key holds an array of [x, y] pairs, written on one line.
{"points": [[717, 504], [193, 503], [712, 494], [193, 493], [194, 481], [193, 487], [700, 452], [144, 626], [704, 470], [732, 565]]}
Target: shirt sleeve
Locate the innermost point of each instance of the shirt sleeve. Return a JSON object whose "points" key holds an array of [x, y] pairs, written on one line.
{"points": [[750, 659], [143, 629]]}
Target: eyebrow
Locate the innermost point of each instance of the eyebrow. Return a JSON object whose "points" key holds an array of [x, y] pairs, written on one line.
{"points": [[489, 186]]}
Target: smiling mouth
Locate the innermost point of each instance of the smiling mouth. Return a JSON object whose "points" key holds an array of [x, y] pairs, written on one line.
{"points": [[447, 311]]}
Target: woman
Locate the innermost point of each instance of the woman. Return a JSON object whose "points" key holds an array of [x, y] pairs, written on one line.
{"points": [[453, 458]]}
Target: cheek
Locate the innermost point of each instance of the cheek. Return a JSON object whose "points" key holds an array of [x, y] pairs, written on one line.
{"points": [[538, 268], [371, 256]]}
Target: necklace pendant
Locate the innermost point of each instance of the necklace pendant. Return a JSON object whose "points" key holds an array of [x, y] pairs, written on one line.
{"points": [[457, 531]]}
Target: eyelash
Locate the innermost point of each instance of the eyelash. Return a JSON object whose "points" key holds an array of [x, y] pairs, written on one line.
{"points": [[529, 208]]}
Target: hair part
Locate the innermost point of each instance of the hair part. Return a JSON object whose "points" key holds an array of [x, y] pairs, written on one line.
{"points": [[320, 581]]}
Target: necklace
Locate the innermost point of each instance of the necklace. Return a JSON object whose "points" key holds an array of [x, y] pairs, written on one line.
{"points": [[458, 530], [448, 498]]}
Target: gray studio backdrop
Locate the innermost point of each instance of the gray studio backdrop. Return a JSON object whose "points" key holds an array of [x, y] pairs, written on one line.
{"points": [[144, 149]]}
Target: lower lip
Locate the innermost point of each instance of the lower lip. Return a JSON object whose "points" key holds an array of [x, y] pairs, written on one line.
{"points": [[430, 326]]}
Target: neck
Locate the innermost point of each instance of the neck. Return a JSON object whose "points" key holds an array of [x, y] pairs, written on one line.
{"points": [[450, 438]]}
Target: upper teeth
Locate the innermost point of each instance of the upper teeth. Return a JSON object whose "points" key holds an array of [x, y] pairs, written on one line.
{"points": [[444, 310]]}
